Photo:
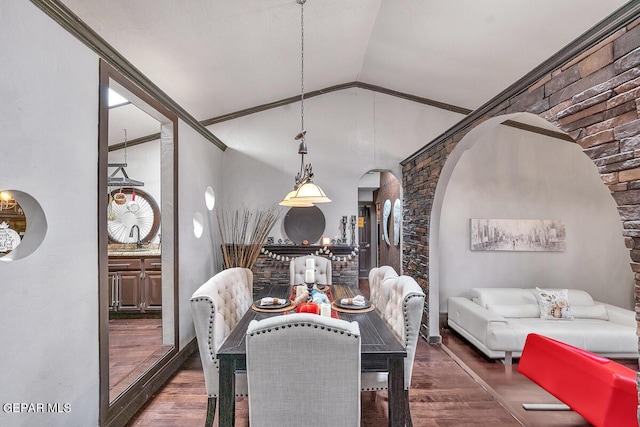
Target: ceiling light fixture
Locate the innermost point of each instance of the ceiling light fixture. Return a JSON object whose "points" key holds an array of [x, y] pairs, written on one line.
{"points": [[6, 201], [305, 193], [124, 181]]}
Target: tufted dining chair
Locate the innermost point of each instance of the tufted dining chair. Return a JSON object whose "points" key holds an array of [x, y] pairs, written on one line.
{"points": [[376, 276], [216, 307], [298, 266], [303, 369], [401, 303]]}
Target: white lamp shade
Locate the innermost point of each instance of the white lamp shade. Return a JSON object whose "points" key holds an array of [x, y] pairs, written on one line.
{"points": [[290, 201], [310, 192]]}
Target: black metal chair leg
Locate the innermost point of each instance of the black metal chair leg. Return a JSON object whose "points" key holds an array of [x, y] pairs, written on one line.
{"points": [[407, 409], [211, 411]]}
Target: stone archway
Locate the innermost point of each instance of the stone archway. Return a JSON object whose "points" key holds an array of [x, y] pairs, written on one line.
{"points": [[594, 98], [537, 177]]}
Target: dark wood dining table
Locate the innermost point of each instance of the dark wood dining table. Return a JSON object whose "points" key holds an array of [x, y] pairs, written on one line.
{"points": [[380, 349]]}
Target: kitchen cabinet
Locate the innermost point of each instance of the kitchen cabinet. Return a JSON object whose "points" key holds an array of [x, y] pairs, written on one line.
{"points": [[135, 284], [152, 284]]}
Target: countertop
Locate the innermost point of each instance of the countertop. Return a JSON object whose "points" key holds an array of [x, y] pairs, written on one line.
{"points": [[130, 250]]}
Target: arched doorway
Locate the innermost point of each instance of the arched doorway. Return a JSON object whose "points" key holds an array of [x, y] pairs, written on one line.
{"points": [[497, 171], [379, 221]]}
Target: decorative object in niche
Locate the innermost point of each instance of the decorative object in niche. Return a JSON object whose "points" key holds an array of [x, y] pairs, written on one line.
{"points": [[9, 239], [13, 224], [139, 208], [397, 216], [304, 223], [386, 211], [537, 235], [26, 218]]}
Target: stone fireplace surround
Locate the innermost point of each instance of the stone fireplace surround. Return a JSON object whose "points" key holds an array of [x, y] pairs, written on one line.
{"points": [[267, 270]]}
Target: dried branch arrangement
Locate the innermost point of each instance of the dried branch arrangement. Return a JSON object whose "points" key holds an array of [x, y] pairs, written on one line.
{"points": [[243, 234]]}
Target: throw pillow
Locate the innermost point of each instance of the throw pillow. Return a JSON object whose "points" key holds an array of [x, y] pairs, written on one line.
{"points": [[554, 305]]}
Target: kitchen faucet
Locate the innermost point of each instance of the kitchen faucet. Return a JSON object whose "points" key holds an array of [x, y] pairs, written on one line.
{"points": [[139, 242]]}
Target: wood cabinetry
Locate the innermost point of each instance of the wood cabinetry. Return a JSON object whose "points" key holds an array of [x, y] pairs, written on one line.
{"points": [[152, 283], [135, 284]]}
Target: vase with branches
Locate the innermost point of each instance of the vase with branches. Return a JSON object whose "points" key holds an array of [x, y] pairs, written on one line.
{"points": [[243, 233]]}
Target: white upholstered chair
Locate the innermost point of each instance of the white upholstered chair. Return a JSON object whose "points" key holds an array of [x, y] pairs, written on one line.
{"points": [[376, 276], [298, 266], [217, 306], [290, 380], [400, 301]]}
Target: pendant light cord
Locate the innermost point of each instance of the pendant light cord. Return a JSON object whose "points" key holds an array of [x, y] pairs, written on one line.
{"points": [[125, 146], [302, 66]]}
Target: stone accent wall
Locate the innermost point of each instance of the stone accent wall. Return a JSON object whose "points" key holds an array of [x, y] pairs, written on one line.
{"points": [[595, 98]]}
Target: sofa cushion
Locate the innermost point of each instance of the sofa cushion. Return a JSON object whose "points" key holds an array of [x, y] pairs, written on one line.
{"points": [[579, 297], [595, 335], [515, 310], [500, 296], [595, 311], [554, 304]]}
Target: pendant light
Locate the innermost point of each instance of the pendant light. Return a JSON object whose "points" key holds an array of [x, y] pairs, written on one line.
{"points": [[305, 192]]}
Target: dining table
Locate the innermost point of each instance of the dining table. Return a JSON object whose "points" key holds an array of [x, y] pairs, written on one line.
{"points": [[381, 351]]}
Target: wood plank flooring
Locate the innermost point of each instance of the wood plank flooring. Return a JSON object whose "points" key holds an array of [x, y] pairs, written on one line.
{"points": [[511, 388], [453, 385], [443, 395], [134, 346]]}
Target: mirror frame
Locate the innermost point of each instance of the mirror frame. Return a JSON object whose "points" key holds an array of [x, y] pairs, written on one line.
{"points": [[123, 407]]}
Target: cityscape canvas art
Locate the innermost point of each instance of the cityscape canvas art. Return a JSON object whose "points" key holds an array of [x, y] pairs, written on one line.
{"points": [[518, 235]]}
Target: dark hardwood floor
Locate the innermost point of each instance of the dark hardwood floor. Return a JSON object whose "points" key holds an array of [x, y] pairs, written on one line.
{"points": [[511, 388], [135, 344], [453, 386], [443, 395]]}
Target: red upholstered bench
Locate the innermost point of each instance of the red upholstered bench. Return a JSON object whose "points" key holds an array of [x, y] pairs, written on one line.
{"points": [[602, 391]]}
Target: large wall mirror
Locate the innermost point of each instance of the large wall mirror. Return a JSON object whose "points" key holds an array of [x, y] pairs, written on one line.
{"points": [[137, 238]]}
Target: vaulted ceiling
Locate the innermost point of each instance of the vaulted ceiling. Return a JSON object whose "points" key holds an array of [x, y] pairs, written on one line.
{"points": [[216, 57]]}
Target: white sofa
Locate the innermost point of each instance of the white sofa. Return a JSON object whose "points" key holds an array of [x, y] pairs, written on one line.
{"points": [[498, 320]]}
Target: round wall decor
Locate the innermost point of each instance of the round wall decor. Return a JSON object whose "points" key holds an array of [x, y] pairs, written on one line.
{"points": [[138, 208], [302, 224]]}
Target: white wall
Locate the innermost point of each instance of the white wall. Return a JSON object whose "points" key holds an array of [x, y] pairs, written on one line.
{"points": [[48, 149], [514, 174], [349, 133], [49, 300], [200, 166]]}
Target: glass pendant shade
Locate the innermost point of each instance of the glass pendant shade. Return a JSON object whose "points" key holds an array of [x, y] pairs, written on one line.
{"points": [[310, 192], [289, 200]]}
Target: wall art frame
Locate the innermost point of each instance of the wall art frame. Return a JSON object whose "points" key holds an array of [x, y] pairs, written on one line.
{"points": [[519, 235]]}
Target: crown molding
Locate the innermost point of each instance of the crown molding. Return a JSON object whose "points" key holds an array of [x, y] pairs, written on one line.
{"points": [[74, 25], [614, 22]]}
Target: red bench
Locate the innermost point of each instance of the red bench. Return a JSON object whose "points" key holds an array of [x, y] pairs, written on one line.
{"points": [[602, 391]]}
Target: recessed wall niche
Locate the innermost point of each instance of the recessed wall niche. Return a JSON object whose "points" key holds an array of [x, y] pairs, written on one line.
{"points": [[23, 225], [198, 225], [209, 198]]}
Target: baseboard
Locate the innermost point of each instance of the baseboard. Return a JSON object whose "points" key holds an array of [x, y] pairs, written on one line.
{"points": [[431, 339]]}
